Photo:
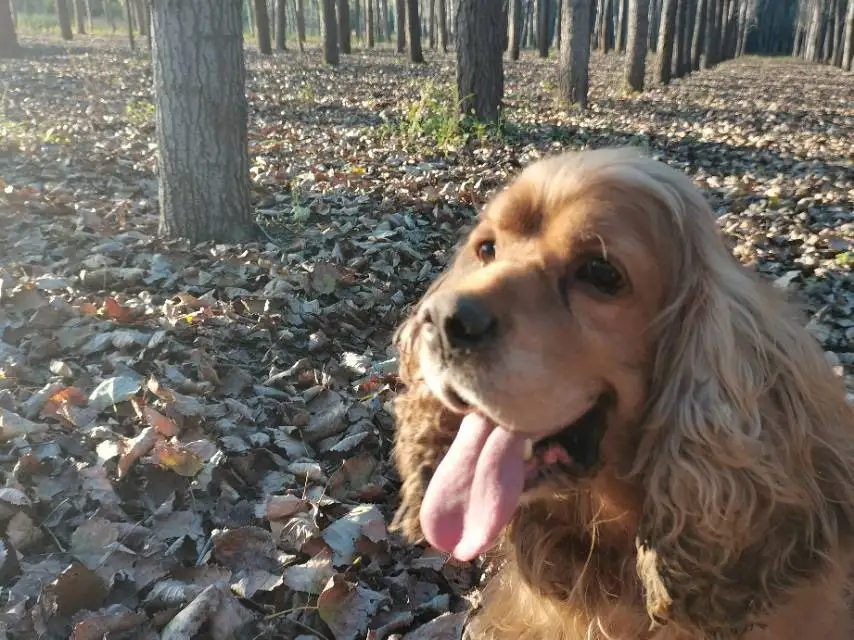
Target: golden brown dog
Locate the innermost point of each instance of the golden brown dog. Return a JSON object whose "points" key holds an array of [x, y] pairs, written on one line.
{"points": [[598, 393]]}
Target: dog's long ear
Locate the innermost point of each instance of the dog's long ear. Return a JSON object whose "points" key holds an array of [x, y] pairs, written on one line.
{"points": [[747, 453]]}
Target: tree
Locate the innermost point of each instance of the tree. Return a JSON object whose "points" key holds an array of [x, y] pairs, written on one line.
{"points": [[400, 15], [299, 12], [386, 29], [443, 26], [8, 37], [838, 25], [636, 48], [262, 26], [480, 73], [129, 20], [344, 26], [712, 35], [666, 35], [575, 52], [281, 24], [431, 24], [699, 36], [329, 26], [682, 38], [414, 23], [620, 33], [369, 23], [63, 12], [848, 51], [514, 27], [603, 22], [80, 16], [543, 9], [201, 113]]}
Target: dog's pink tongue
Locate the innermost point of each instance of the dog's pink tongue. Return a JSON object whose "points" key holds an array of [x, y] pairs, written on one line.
{"points": [[475, 489]]}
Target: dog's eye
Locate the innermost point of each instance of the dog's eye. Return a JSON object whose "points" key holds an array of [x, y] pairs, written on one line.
{"points": [[486, 251], [602, 275]]}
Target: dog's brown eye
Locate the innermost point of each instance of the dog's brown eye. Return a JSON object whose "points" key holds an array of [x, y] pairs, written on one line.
{"points": [[602, 275], [486, 251]]}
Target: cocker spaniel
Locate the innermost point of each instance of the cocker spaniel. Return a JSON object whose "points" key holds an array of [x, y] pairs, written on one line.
{"points": [[600, 396]]}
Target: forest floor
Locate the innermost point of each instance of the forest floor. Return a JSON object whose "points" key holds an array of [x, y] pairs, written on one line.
{"points": [[176, 420]]}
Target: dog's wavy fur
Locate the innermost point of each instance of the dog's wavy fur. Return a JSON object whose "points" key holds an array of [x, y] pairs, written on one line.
{"points": [[733, 515]]}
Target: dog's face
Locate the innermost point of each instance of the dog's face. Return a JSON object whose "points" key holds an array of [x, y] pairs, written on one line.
{"points": [[541, 330]]}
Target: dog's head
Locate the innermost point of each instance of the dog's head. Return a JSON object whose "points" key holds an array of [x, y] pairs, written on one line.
{"points": [[618, 380]]}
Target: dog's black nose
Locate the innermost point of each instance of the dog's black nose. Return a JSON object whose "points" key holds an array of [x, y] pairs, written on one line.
{"points": [[464, 321]]}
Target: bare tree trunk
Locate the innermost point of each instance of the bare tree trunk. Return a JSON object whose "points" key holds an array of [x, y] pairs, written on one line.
{"points": [[597, 22], [710, 59], [262, 25], [129, 16], [250, 12], [299, 12], [604, 41], [201, 111], [8, 37], [63, 12], [386, 29], [575, 53], [514, 28], [480, 73], [813, 44], [414, 22], [742, 29], [281, 24], [329, 28], [620, 33], [682, 37], [400, 16], [665, 42], [80, 16], [369, 23], [443, 26], [699, 36], [108, 14], [558, 18], [638, 16], [837, 34], [654, 17], [344, 26], [431, 24], [848, 50], [543, 9], [688, 37]]}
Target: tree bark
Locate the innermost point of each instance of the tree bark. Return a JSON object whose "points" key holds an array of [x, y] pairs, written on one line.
{"points": [[604, 41], [79, 16], [386, 29], [681, 39], [400, 19], [709, 59], [300, 15], [665, 42], [63, 12], [575, 52], [414, 24], [129, 19], [281, 25], [262, 27], [699, 37], [329, 28], [839, 26], [201, 113], [8, 37], [654, 18], [848, 50], [480, 73], [620, 33], [443, 26], [514, 27], [369, 23], [543, 10], [742, 29], [636, 48], [344, 26]]}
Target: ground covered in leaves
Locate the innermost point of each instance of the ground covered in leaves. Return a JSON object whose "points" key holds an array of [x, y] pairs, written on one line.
{"points": [[195, 440]]}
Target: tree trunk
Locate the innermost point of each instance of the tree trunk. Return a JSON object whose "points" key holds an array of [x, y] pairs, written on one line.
{"points": [[300, 15], [575, 52], [848, 49], [709, 60], [63, 12], [369, 23], [108, 14], [329, 29], [400, 19], [837, 34], [79, 16], [514, 28], [666, 35], [597, 22], [281, 24], [129, 17], [699, 36], [620, 33], [654, 18], [201, 112], [443, 26], [262, 27], [558, 30], [142, 19], [742, 29], [480, 74], [414, 23], [682, 38], [543, 9], [344, 26], [386, 29], [8, 37], [604, 41], [636, 48]]}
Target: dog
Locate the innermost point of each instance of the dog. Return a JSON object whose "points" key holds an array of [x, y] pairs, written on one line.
{"points": [[639, 430]]}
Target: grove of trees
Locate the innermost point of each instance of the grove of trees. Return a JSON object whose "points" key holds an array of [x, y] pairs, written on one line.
{"points": [[203, 176]]}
